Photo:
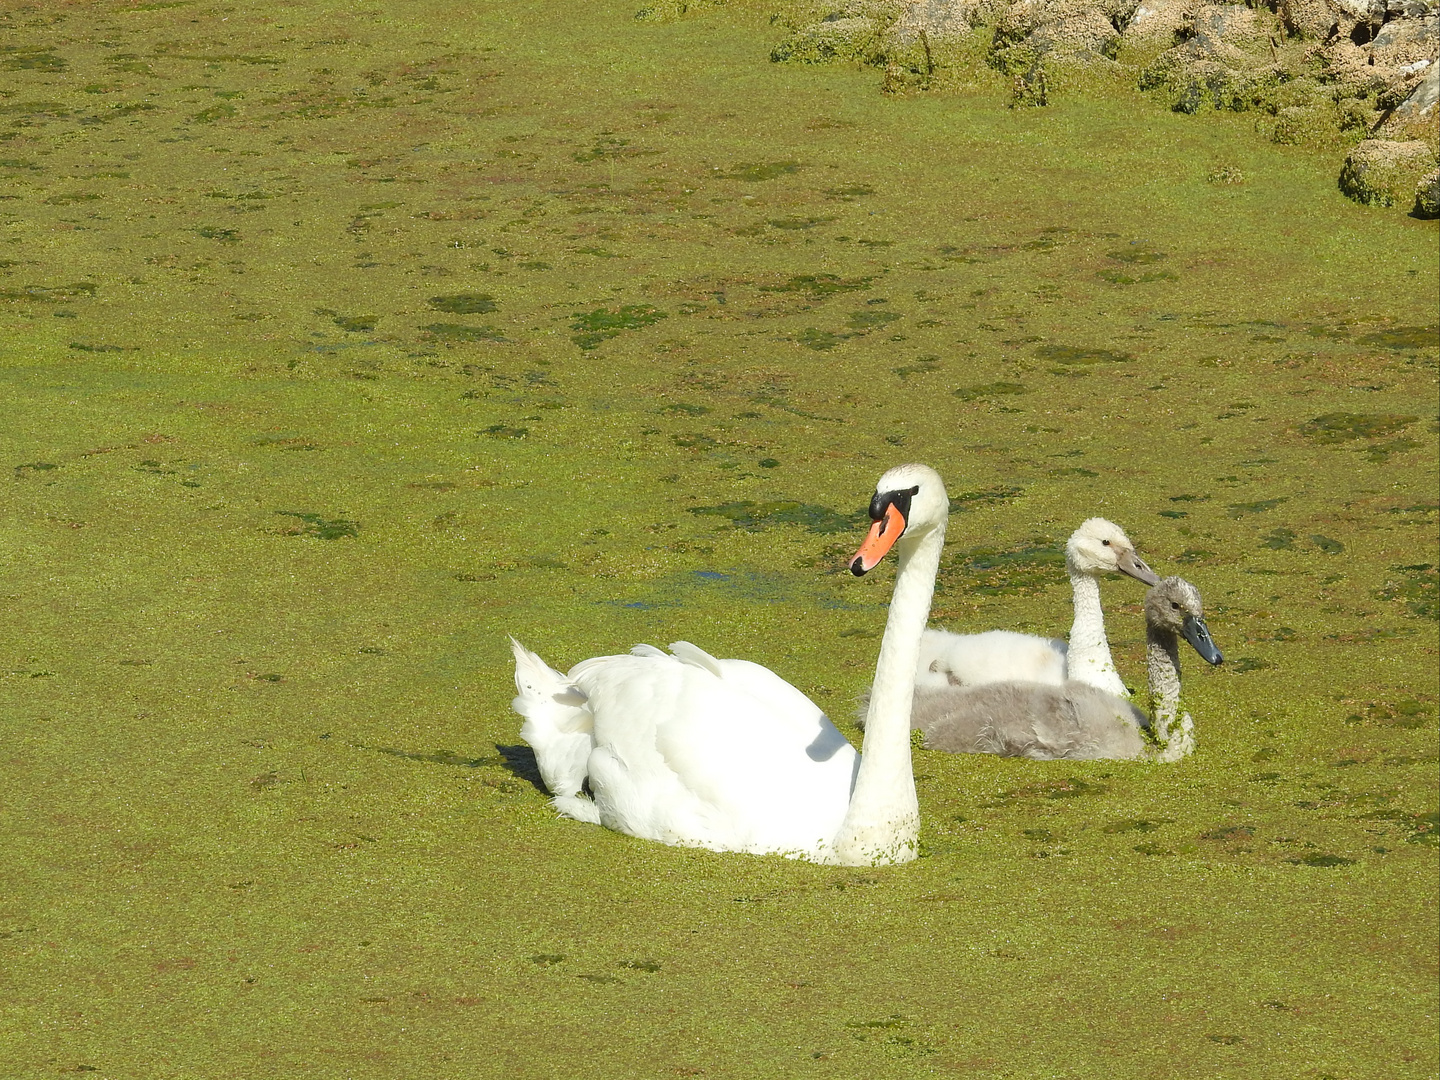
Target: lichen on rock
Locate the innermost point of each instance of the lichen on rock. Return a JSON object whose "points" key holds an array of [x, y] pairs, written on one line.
{"points": [[1382, 172], [1427, 196]]}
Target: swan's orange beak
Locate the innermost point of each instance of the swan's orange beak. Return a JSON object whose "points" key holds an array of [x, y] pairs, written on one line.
{"points": [[880, 539]]}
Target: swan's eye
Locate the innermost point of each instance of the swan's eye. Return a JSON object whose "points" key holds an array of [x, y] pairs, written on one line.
{"points": [[1105, 542]]}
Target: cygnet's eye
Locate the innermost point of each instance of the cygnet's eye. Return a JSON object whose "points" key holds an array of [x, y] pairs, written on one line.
{"points": [[1105, 542], [1174, 605]]}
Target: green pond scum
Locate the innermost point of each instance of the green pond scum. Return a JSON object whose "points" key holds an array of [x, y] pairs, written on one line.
{"points": [[267, 523]]}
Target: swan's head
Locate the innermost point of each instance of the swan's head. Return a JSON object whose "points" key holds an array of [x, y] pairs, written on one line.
{"points": [[909, 502], [1101, 547], [1174, 606]]}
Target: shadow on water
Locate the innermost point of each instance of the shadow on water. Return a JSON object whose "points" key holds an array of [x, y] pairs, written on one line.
{"points": [[519, 761]]}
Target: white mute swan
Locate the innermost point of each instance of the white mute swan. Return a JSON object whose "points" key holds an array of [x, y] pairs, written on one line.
{"points": [[1097, 547], [1075, 720], [724, 754]]}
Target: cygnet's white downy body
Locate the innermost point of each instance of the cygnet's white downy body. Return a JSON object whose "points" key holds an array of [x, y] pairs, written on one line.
{"points": [[1075, 720], [724, 754], [1097, 547]]}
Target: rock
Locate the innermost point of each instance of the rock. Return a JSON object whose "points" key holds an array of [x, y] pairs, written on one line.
{"points": [[1217, 29], [837, 37], [1427, 196], [1381, 172], [1425, 96], [941, 20], [1372, 11], [1158, 20], [1064, 29], [1406, 41], [1321, 20]]}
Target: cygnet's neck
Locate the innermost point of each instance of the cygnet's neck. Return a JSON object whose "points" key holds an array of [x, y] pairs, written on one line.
{"points": [[882, 823], [1088, 656], [1174, 729]]}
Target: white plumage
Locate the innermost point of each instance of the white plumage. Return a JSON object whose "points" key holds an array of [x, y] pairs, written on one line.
{"points": [[684, 748], [1096, 548]]}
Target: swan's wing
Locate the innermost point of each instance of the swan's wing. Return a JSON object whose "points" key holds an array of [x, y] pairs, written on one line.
{"points": [[738, 760]]}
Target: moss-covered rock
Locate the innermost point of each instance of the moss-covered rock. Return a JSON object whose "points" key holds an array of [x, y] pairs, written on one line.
{"points": [[1381, 172], [837, 37], [1427, 196]]}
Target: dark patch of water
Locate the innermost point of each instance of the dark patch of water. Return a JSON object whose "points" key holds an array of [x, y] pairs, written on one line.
{"points": [[820, 340], [464, 303], [757, 516], [1074, 354], [1245, 664], [989, 571], [450, 332], [1416, 586], [871, 320], [1229, 833], [43, 60], [1151, 849], [1260, 506], [52, 294], [356, 323], [796, 223], [316, 527], [1321, 860], [967, 500], [753, 172], [602, 324], [504, 431], [1140, 825], [922, 366], [1403, 337], [985, 390], [1339, 427]]}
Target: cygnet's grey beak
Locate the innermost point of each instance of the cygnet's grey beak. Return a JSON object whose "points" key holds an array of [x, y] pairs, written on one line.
{"points": [[1130, 563], [1198, 634]]}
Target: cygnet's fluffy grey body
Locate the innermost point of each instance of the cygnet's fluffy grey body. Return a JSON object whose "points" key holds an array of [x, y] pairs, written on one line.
{"points": [[1029, 719], [1076, 720]]}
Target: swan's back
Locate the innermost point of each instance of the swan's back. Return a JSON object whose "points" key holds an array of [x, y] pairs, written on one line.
{"points": [[725, 754], [948, 659], [1029, 719]]}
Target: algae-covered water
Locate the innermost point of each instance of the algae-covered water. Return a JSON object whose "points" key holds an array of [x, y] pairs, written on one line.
{"points": [[336, 344]]}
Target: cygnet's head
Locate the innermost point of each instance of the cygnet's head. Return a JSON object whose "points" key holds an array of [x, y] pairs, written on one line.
{"points": [[1174, 606], [1101, 547], [909, 502]]}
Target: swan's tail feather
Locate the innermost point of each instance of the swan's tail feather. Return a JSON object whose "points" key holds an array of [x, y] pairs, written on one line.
{"points": [[576, 806], [696, 657], [557, 727]]}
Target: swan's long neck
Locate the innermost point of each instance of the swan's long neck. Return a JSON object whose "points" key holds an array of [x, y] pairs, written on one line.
{"points": [[1088, 658], [882, 824], [1173, 727]]}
